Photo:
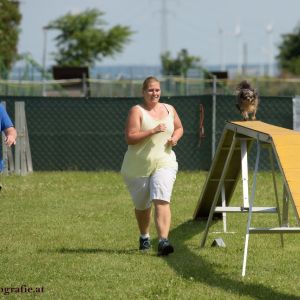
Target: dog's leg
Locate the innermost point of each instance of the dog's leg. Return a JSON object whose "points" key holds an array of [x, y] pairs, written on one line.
{"points": [[253, 118], [245, 115]]}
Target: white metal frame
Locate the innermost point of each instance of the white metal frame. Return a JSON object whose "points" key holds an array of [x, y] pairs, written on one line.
{"points": [[248, 205], [244, 164]]}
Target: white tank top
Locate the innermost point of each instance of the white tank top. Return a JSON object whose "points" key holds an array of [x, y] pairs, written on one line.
{"points": [[152, 153]]}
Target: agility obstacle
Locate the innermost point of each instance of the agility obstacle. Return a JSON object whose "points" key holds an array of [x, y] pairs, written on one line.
{"points": [[231, 161], [23, 160], [22, 164]]}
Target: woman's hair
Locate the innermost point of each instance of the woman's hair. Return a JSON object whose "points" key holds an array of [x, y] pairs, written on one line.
{"points": [[147, 82]]}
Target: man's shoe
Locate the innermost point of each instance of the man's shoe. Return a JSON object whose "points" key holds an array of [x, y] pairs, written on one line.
{"points": [[145, 244], [164, 248]]}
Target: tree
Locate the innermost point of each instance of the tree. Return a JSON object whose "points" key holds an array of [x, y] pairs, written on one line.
{"points": [[289, 52], [83, 41], [10, 19], [180, 65]]}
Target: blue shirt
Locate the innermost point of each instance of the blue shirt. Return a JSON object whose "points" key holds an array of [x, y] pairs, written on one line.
{"points": [[5, 120]]}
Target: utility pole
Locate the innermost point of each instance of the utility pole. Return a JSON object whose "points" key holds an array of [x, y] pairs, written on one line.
{"points": [[269, 30], [245, 58], [45, 28], [237, 34], [222, 64]]}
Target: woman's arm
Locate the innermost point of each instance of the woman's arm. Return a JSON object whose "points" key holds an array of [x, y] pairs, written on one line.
{"points": [[178, 130]]}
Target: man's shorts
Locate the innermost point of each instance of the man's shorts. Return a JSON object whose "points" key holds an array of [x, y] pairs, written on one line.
{"points": [[158, 186]]}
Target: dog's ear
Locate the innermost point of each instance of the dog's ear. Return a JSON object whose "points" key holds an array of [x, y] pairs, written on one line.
{"points": [[243, 85], [239, 93]]}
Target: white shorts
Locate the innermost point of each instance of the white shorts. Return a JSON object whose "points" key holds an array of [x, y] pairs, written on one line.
{"points": [[158, 186]]}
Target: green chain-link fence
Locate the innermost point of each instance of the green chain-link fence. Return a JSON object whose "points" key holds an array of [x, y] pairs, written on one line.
{"points": [[132, 88], [88, 133]]}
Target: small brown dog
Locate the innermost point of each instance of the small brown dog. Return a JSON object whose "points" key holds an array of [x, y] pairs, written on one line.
{"points": [[247, 100]]}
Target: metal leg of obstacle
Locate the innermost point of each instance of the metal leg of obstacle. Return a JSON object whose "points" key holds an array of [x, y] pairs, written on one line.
{"points": [[218, 191], [244, 162], [223, 196], [276, 192], [285, 208], [250, 208], [244, 166]]}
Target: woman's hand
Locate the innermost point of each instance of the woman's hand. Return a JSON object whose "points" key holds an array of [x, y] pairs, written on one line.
{"points": [[172, 142], [159, 128]]}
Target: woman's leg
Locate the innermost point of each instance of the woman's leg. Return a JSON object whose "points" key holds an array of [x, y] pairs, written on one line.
{"points": [[161, 185], [162, 222], [143, 218], [162, 218]]}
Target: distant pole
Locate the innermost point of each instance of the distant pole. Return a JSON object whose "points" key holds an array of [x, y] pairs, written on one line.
{"points": [[245, 58], [222, 65], [262, 63], [164, 27], [269, 30], [45, 28], [237, 34]]}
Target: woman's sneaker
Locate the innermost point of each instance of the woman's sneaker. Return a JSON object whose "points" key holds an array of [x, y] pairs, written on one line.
{"points": [[164, 248], [145, 244]]}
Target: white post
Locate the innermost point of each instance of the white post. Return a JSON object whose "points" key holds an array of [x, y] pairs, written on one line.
{"points": [[224, 205], [244, 161], [250, 208]]}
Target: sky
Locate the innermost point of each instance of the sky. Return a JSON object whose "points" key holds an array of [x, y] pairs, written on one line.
{"points": [[220, 32]]}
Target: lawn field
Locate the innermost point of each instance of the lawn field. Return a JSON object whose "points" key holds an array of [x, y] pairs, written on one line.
{"points": [[73, 235]]}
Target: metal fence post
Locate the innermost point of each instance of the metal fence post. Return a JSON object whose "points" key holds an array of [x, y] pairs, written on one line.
{"points": [[214, 103], [296, 112], [84, 85]]}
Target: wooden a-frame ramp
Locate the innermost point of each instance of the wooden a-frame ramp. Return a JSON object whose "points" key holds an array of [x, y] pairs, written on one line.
{"points": [[230, 161]]}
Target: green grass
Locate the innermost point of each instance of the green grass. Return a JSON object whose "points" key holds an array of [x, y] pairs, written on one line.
{"points": [[74, 234]]}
